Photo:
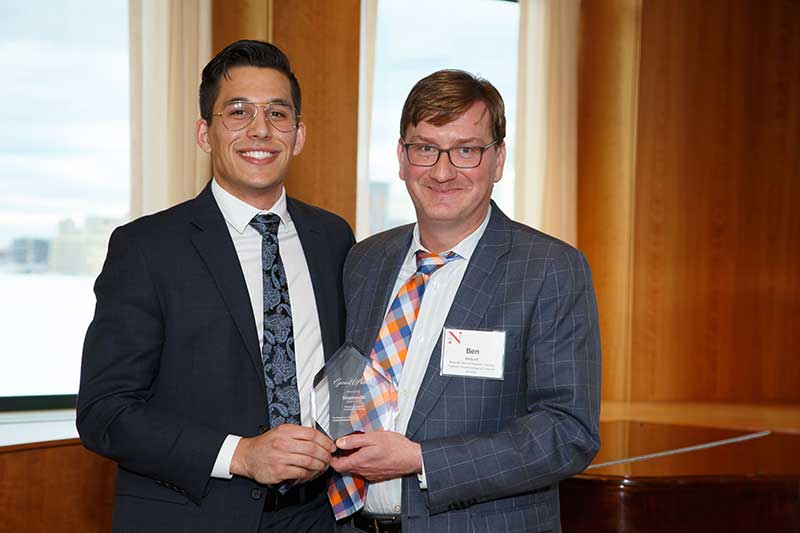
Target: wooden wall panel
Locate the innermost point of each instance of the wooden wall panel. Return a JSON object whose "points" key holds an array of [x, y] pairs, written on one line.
{"points": [[232, 20], [607, 104], [56, 486], [322, 40], [717, 262]]}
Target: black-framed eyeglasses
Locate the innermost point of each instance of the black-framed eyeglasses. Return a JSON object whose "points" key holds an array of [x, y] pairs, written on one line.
{"points": [[238, 114], [427, 155]]}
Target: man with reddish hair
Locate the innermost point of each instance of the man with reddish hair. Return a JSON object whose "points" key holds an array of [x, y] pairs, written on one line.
{"points": [[497, 367]]}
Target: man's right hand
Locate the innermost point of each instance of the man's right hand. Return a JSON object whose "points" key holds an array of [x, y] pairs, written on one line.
{"points": [[287, 452]]}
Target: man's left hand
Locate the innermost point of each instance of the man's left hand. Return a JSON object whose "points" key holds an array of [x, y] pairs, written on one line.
{"points": [[378, 455]]}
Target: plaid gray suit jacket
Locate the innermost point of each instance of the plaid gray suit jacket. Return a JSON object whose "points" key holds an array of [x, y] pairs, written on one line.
{"points": [[494, 451]]}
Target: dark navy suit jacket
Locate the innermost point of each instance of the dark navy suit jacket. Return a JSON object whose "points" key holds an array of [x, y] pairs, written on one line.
{"points": [[494, 451], [172, 364]]}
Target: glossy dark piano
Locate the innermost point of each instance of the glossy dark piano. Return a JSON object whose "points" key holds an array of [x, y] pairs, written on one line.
{"points": [[747, 486]]}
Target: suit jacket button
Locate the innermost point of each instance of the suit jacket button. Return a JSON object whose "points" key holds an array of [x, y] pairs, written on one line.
{"points": [[262, 429], [255, 494]]}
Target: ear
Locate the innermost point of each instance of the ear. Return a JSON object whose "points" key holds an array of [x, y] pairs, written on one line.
{"points": [[300, 139], [401, 158], [201, 135], [499, 162]]}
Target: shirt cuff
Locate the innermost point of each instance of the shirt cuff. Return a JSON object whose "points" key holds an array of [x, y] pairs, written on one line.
{"points": [[423, 482], [222, 466]]}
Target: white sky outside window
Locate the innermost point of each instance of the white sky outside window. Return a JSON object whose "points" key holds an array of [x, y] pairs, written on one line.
{"points": [[414, 39], [64, 180]]}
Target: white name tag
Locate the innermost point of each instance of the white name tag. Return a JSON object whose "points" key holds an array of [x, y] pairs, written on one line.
{"points": [[473, 354]]}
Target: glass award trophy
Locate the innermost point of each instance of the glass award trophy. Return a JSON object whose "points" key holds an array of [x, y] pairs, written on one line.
{"points": [[352, 394]]}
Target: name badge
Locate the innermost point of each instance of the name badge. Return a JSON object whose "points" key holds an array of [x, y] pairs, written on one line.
{"points": [[473, 354]]}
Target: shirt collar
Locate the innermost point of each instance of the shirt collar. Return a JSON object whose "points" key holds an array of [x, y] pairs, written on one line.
{"points": [[465, 248], [239, 213]]}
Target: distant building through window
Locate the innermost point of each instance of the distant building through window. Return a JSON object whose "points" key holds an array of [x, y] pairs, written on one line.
{"points": [[64, 180]]}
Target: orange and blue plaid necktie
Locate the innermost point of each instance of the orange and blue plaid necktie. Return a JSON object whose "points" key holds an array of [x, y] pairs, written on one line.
{"points": [[347, 493]]}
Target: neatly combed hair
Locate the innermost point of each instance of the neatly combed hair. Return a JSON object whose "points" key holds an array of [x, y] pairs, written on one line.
{"points": [[442, 97], [238, 54]]}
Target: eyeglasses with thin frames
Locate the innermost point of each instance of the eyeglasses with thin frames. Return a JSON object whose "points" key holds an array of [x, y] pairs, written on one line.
{"points": [[427, 155], [239, 114]]}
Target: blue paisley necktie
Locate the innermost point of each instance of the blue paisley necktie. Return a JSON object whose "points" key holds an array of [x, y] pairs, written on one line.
{"points": [[277, 352]]}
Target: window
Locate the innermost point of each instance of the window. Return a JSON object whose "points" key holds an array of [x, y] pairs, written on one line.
{"points": [[412, 40], [64, 183]]}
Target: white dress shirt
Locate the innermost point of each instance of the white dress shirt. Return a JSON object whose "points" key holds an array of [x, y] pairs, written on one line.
{"points": [[309, 356], [384, 498]]}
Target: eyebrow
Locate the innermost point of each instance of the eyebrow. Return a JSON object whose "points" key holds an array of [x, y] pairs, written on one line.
{"points": [[458, 142], [279, 101]]}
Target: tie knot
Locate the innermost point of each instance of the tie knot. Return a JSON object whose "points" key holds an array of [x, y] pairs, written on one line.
{"points": [[428, 263], [266, 224]]}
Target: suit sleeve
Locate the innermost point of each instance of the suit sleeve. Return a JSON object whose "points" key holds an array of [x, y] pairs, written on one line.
{"points": [[558, 437], [121, 358]]}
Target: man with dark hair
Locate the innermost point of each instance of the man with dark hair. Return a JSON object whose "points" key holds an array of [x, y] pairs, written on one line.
{"points": [[212, 319], [491, 340]]}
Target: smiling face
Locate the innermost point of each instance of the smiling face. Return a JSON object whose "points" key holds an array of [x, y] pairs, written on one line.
{"points": [[251, 163], [451, 202]]}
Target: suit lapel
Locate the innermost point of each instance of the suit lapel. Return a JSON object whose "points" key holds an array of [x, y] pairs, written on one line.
{"points": [[213, 242], [317, 253], [384, 274], [473, 298]]}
